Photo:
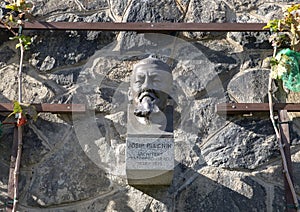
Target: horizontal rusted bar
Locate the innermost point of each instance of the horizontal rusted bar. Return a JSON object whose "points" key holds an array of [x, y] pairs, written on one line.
{"points": [[244, 108], [144, 27], [48, 108]]}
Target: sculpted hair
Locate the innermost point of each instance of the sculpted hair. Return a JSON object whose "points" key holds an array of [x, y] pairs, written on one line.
{"points": [[153, 63]]}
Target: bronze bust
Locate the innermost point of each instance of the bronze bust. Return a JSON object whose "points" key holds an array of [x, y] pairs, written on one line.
{"points": [[150, 84], [150, 139]]}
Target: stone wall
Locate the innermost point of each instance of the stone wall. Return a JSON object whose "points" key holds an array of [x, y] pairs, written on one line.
{"points": [[76, 162]]}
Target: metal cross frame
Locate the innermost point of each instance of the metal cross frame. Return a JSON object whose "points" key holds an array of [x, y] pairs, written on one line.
{"points": [[224, 108]]}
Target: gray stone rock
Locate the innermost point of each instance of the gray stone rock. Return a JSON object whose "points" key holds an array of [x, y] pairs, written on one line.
{"points": [[118, 7], [53, 7], [199, 120], [208, 12], [4, 35], [221, 193], [50, 130], [270, 11], [66, 48], [76, 177], [251, 40], [147, 11], [250, 86], [43, 8], [243, 144], [6, 54], [244, 6], [36, 91], [94, 4], [47, 64], [154, 11], [3, 184], [6, 143]]}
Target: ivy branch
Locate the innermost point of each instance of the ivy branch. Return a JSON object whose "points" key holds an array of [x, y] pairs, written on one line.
{"points": [[285, 33], [12, 17]]}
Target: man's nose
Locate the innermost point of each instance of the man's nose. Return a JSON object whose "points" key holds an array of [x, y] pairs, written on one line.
{"points": [[147, 83]]}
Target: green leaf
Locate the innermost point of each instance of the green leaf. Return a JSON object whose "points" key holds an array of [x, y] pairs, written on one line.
{"points": [[293, 8], [12, 7], [272, 25], [18, 45], [11, 18], [17, 108]]}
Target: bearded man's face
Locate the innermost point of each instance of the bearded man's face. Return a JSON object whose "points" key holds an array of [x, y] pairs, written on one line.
{"points": [[150, 86]]}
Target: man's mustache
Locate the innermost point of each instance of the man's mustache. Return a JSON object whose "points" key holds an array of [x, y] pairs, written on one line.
{"points": [[148, 92]]}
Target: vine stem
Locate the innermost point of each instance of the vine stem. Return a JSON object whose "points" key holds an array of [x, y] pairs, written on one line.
{"points": [[20, 133], [8, 28], [278, 138]]}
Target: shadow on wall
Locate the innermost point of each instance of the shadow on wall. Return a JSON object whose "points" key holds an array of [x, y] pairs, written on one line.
{"points": [[192, 191]]}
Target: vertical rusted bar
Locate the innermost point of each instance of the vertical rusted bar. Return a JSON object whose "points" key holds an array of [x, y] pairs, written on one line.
{"points": [[285, 140], [10, 189]]}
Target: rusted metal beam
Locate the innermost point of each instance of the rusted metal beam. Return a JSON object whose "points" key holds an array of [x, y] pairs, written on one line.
{"points": [[50, 108], [243, 108], [285, 140], [10, 185], [145, 27]]}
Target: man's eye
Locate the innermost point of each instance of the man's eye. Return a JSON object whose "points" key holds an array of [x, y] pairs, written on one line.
{"points": [[139, 79]]}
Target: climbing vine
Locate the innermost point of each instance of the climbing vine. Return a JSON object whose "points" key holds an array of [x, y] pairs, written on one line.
{"points": [[12, 17], [285, 34]]}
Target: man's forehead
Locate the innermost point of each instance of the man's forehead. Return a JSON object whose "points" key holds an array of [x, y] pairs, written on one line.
{"points": [[150, 70]]}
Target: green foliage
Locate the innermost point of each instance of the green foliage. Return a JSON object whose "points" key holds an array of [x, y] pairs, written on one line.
{"points": [[23, 40], [15, 11], [286, 68], [286, 30], [286, 34], [17, 109], [13, 15]]}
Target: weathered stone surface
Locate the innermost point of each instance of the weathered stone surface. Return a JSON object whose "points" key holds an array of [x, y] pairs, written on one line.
{"points": [[5, 54], [269, 11], [5, 143], [250, 86], [54, 7], [251, 40], [36, 91], [102, 86], [208, 12], [242, 144], [42, 8], [237, 193], [62, 53], [4, 35], [76, 177], [155, 11], [3, 183], [118, 7], [50, 130], [273, 173]]}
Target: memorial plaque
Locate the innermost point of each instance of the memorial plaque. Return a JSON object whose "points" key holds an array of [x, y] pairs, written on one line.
{"points": [[150, 160], [150, 140]]}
